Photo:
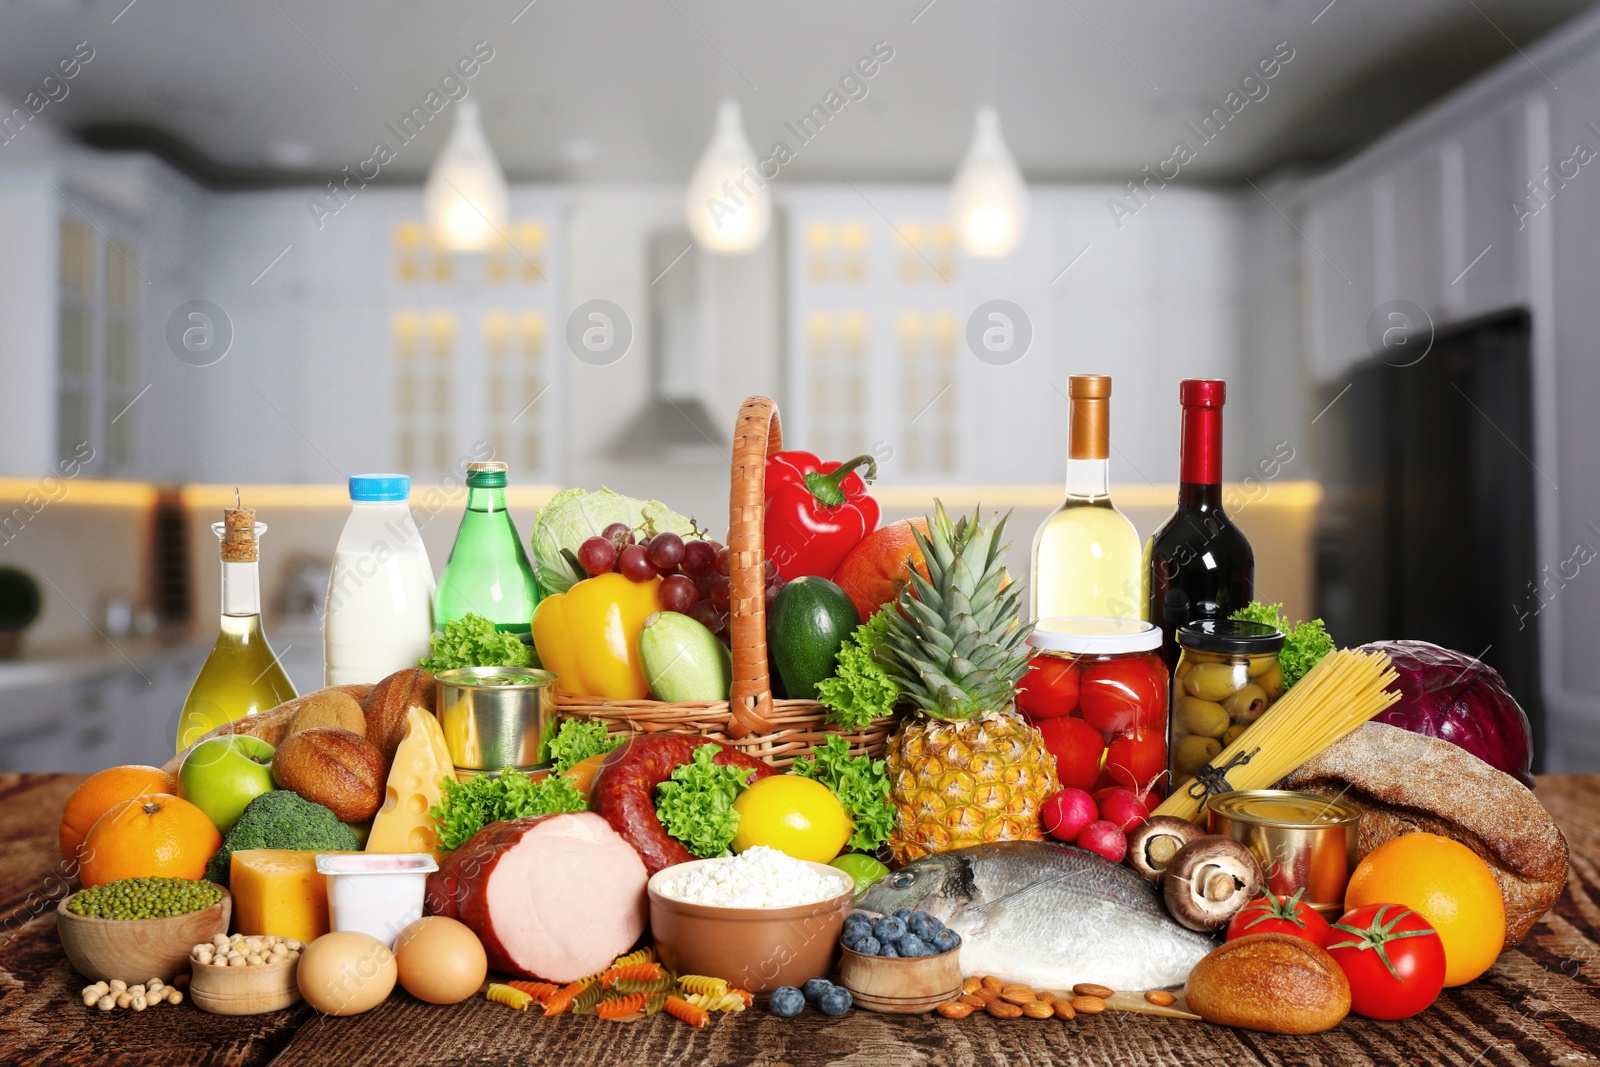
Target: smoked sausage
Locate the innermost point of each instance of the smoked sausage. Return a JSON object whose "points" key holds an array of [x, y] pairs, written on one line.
{"points": [[624, 791]]}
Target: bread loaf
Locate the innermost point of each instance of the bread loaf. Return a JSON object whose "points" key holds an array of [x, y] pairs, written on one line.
{"points": [[335, 768], [271, 726], [391, 700], [329, 707], [1276, 983], [1404, 783]]}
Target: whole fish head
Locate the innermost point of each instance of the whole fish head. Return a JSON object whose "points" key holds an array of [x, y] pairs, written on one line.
{"points": [[940, 884]]}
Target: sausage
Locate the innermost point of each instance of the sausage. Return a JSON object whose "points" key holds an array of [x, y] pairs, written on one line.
{"points": [[624, 791], [550, 896]]}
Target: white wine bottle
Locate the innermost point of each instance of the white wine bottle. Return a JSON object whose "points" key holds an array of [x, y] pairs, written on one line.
{"points": [[242, 675], [1086, 556]]}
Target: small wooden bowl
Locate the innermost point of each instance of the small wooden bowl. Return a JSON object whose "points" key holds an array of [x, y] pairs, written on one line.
{"points": [[136, 949], [244, 990], [896, 986]]}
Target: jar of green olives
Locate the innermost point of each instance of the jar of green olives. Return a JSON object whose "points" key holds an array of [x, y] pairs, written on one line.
{"points": [[1227, 675]]}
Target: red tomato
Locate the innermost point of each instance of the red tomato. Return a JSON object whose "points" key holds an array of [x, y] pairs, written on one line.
{"points": [[1393, 958], [1049, 689], [1077, 747], [1138, 760], [1122, 694], [1269, 914]]}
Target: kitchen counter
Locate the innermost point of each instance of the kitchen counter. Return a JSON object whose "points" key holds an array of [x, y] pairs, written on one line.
{"points": [[1539, 1004]]}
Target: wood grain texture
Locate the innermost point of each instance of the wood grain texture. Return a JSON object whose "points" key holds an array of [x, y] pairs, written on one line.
{"points": [[1540, 1004]]}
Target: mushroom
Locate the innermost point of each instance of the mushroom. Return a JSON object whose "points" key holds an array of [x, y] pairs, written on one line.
{"points": [[1152, 846], [1209, 881]]}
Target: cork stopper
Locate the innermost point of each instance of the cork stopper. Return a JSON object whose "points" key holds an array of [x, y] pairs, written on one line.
{"points": [[239, 533]]}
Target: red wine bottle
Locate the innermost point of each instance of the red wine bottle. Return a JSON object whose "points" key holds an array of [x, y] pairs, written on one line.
{"points": [[1198, 565]]}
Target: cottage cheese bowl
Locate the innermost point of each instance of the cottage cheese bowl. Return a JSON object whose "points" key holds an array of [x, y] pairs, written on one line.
{"points": [[760, 919]]}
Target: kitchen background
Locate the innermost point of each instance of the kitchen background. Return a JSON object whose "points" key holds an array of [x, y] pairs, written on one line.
{"points": [[1377, 223]]}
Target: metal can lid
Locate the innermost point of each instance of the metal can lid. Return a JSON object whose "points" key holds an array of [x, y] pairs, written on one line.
{"points": [[1283, 807], [1091, 635], [1226, 635], [486, 474]]}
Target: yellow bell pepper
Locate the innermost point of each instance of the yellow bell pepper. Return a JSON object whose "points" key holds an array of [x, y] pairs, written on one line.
{"points": [[589, 635]]}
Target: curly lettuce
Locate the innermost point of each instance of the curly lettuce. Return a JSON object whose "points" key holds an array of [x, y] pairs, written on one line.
{"points": [[861, 784], [473, 641], [695, 805], [861, 689], [1304, 643]]}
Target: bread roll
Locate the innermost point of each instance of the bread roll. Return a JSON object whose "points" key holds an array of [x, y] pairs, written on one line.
{"points": [[271, 726], [329, 707], [1276, 983], [391, 701], [340, 770], [1404, 783]]}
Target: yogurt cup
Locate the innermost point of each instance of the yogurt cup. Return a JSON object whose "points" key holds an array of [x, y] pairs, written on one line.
{"points": [[376, 893]]}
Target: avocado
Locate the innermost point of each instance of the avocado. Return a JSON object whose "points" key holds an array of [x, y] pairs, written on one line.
{"points": [[807, 623]]}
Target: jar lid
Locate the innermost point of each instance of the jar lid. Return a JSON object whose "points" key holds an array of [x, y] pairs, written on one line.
{"points": [[1087, 635], [489, 474], [379, 487], [1227, 635]]}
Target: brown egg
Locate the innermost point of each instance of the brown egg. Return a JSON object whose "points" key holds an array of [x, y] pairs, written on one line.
{"points": [[345, 973], [441, 960]]}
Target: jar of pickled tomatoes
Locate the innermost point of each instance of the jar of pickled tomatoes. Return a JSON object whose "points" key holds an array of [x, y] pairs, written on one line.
{"points": [[1096, 690], [1227, 675]]}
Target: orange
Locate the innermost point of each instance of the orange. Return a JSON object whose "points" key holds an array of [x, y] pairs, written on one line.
{"points": [[101, 792], [874, 571], [585, 771], [1449, 885], [155, 835]]}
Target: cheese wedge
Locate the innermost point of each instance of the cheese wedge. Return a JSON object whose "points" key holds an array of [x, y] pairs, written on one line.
{"points": [[420, 763], [278, 891]]}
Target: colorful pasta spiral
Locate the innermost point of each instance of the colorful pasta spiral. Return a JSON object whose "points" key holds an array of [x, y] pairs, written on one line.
{"points": [[641, 955], [663, 984], [585, 1001], [621, 1007], [656, 1002], [745, 995], [679, 1008], [511, 998], [630, 972], [561, 999], [708, 1002], [699, 983], [539, 991]]}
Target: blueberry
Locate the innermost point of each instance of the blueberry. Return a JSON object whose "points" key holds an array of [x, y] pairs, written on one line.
{"points": [[924, 925], [903, 914], [836, 1001], [786, 1002], [815, 987], [889, 952], [868, 946], [946, 940], [912, 945], [889, 929]]}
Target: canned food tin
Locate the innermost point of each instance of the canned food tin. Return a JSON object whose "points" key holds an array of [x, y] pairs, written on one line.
{"points": [[493, 717], [1302, 840]]}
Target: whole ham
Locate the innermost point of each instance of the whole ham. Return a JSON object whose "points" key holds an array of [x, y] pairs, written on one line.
{"points": [[556, 897]]}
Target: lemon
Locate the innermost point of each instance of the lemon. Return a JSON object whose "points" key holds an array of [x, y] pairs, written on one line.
{"points": [[797, 816]]}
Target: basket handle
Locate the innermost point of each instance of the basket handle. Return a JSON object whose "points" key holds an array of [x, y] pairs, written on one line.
{"points": [[756, 435]]}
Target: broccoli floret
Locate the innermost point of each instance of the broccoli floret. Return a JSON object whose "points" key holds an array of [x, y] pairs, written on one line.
{"points": [[282, 819]]}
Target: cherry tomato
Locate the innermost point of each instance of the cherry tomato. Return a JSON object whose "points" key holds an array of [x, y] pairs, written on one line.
{"points": [[1077, 747], [1049, 689], [1269, 914], [1393, 958], [1138, 760], [1120, 694]]}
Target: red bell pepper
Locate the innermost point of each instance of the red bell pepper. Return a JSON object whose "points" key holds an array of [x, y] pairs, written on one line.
{"points": [[816, 512]]}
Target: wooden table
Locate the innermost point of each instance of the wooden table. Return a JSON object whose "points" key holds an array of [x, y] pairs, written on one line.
{"points": [[1538, 1005]]}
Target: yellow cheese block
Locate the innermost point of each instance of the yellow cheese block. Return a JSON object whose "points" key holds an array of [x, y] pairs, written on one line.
{"points": [[278, 891], [420, 763]]}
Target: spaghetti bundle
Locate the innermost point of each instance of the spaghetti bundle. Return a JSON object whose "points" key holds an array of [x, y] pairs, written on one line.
{"points": [[1347, 688]]}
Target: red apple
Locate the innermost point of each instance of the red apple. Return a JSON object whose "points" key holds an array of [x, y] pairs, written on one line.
{"points": [[1104, 839], [1064, 814]]}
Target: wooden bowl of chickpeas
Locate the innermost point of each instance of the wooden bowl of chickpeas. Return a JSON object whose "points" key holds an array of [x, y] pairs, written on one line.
{"points": [[245, 974]]}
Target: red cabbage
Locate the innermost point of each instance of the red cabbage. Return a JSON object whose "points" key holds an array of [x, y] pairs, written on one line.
{"points": [[1452, 696]]}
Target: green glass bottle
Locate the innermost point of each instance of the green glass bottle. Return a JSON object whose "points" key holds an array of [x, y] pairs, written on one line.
{"points": [[488, 572]]}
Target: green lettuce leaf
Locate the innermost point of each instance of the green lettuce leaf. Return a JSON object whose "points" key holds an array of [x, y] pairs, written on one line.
{"points": [[472, 641], [1304, 643], [862, 785], [577, 740], [695, 805], [860, 689], [468, 807]]}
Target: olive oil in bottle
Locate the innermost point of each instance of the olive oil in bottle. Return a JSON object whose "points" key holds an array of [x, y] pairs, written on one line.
{"points": [[242, 675]]}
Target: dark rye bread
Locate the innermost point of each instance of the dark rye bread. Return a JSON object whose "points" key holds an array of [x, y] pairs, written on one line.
{"points": [[1405, 782]]}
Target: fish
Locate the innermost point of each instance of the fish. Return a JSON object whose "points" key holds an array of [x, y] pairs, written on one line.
{"points": [[1046, 915]]}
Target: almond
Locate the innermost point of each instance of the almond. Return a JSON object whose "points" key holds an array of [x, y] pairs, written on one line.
{"points": [[973, 1000], [1001, 1010], [1088, 1005], [991, 983], [972, 984], [335, 768], [1063, 1010], [1090, 989], [955, 1009], [390, 701], [1160, 998], [1038, 1009], [1019, 996]]}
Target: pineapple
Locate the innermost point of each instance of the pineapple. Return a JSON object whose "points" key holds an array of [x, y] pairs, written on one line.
{"points": [[965, 769]]}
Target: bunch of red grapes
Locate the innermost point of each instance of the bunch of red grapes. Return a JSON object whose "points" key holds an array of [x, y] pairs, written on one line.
{"points": [[693, 573]]}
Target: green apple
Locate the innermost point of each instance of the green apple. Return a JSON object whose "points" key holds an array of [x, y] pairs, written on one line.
{"points": [[223, 775]]}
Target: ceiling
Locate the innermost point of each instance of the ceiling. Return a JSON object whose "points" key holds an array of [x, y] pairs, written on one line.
{"points": [[625, 90]]}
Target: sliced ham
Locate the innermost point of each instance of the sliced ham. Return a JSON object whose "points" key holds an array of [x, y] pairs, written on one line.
{"points": [[556, 897]]}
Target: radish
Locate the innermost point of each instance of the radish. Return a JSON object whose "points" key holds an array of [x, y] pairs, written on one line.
{"points": [[1104, 839], [1123, 808], [1064, 814]]}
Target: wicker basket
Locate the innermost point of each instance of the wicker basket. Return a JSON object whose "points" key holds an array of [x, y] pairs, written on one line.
{"points": [[776, 731]]}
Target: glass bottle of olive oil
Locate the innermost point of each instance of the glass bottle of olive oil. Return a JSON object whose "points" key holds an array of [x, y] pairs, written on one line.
{"points": [[242, 675]]}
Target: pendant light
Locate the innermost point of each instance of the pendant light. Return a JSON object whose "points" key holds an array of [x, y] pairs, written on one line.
{"points": [[988, 200], [728, 206], [464, 199]]}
